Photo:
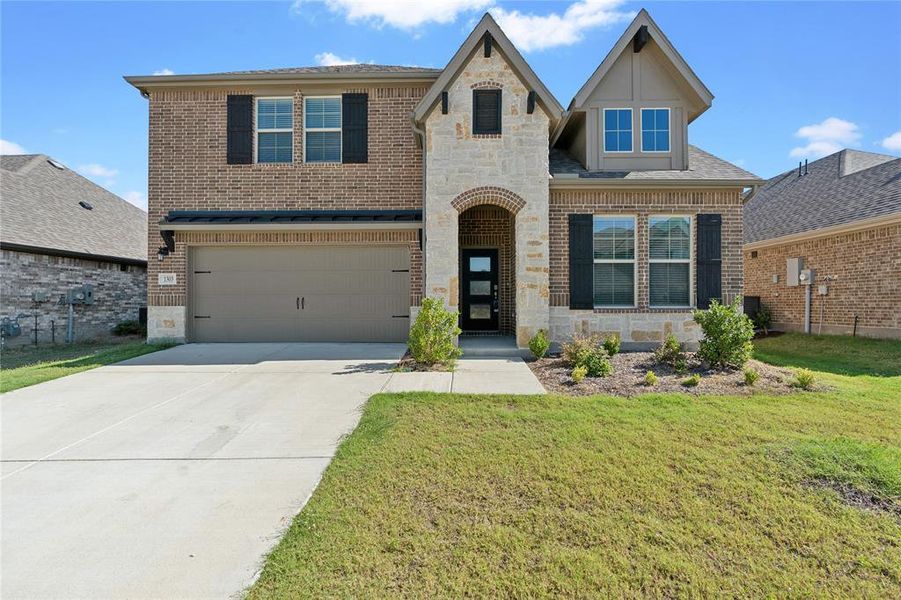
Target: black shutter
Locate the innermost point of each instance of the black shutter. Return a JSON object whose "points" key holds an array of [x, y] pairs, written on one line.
{"points": [[486, 111], [581, 261], [709, 259], [354, 128], [239, 122]]}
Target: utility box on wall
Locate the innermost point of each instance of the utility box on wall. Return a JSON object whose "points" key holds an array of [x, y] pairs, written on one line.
{"points": [[793, 268]]}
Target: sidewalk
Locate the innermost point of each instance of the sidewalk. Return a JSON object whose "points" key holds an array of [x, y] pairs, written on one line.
{"points": [[477, 375]]}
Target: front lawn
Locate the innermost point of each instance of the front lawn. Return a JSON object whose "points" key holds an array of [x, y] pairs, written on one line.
{"points": [[657, 495], [840, 354], [27, 365]]}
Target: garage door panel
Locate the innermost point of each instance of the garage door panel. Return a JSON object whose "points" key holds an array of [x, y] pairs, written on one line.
{"points": [[349, 293]]}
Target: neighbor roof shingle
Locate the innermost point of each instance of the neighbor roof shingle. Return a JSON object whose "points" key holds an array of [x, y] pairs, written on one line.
{"points": [[39, 207], [841, 188], [356, 69]]}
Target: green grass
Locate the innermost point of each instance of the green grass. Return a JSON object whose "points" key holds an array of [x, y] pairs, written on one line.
{"points": [[662, 495], [21, 367], [841, 354]]}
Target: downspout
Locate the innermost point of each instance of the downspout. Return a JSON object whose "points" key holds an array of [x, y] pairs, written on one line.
{"points": [[420, 135], [750, 194]]}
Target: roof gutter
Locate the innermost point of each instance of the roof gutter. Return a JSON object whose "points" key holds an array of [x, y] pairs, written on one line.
{"points": [[119, 260], [157, 81], [581, 183], [842, 228]]}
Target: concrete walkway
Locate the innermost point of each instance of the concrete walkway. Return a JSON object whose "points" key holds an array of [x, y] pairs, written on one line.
{"points": [[173, 474]]}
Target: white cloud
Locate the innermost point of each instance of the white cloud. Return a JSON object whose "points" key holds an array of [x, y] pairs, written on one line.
{"points": [[825, 138], [164, 72], [401, 14], [893, 142], [137, 198], [96, 170], [328, 59], [7, 147], [539, 32]]}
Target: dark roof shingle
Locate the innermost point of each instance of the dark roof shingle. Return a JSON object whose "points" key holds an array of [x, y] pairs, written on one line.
{"points": [[841, 188], [39, 207]]}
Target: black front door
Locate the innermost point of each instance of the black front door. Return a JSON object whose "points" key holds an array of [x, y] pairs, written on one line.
{"points": [[479, 294]]}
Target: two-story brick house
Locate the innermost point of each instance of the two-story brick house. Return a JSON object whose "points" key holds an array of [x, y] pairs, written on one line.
{"points": [[322, 204]]}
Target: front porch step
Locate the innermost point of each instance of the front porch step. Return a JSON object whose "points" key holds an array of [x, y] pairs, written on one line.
{"points": [[494, 346]]}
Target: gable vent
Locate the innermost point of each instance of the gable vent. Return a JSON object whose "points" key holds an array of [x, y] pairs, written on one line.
{"points": [[641, 38], [85, 205]]}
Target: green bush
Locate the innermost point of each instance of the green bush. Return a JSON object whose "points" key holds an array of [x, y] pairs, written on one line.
{"points": [[670, 352], [579, 373], [129, 328], [751, 376], [681, 364], [433, 334], [763, 319], [576, 351], [804, 379], [611, 344], [727, 334], [539, 344], [692, 380], [598, 364], [650, 379]]}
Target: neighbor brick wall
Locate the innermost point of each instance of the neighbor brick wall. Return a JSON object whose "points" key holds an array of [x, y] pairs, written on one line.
{"points": [[866, 266], [188, 167], [118, 294], [488, 226]]}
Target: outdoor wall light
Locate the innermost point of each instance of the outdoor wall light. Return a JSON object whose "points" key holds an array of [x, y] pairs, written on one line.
{"points": [[162, 252]]}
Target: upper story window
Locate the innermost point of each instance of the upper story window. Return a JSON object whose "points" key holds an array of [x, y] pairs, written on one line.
{"points": [[617, 130], [669, 254], [322, 126], [275, 130], [655, 130], [486, 111], [614, 261]]}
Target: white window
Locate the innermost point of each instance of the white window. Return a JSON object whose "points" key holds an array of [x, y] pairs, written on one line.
{"points": [[275, 130], [614, 260], [322, 126], [617, 130], [655, 130], [669, 254]]}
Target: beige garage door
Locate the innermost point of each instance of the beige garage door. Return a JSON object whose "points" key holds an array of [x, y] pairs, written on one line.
{"points": [[303, 294]]}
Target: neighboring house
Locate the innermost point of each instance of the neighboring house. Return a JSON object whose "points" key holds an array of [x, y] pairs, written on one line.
{"points": [[842, 216], [323, 203], [58, 232]]}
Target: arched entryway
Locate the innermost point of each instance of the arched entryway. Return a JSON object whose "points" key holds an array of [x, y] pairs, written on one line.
{"points": [[487, 246]]}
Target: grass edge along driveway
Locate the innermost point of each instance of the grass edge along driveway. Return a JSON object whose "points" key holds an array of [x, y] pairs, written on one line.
{"points": [[445, 495], [23, 367]]}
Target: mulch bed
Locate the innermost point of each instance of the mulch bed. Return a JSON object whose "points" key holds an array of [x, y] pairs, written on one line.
{"points": [[406, 364], [629, 369]]}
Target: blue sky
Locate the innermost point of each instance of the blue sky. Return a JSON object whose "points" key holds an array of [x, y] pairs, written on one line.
{"points": [[791, 80]]}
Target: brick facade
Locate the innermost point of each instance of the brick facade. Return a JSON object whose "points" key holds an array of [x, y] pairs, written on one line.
{"points": [[119, 292], [488, 226], [861, 270]]}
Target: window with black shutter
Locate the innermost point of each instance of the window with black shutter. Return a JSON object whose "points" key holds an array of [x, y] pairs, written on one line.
{"points": [[486, 112], [709, 259], [581, 261], [239, 126], [354, 128]]}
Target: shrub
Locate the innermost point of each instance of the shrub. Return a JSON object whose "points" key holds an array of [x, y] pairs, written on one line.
{"points": [[579, 374], [681, 364], [763, 319], [611, 344], [433, 334], [670, 352], [727, 334], [598, 364], [751, 376], [539, 344], [650, 379], [129, 328], [692, 381], [804, 379], [576, 351]]}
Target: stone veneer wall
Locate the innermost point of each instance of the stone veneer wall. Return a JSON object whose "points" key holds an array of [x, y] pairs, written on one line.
{"points": [[488, 226], [512, 169], [641, 325], [118, 294], [866, 266], [188, 171]]}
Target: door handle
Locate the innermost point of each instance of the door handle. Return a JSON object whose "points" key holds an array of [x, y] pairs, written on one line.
{"points": [[302, 302], [298, 303]]}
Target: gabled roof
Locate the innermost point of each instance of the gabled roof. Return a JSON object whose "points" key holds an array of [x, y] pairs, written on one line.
{"points": [[488, 25], [704, 95], [835, 191], [40, 210], [703, 168]]}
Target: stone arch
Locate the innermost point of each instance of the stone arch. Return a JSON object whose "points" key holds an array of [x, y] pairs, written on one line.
{"points": [[488, 195]]}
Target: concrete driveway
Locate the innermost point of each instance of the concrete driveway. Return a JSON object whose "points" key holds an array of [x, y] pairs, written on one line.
{"points": [[172, 475]]}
